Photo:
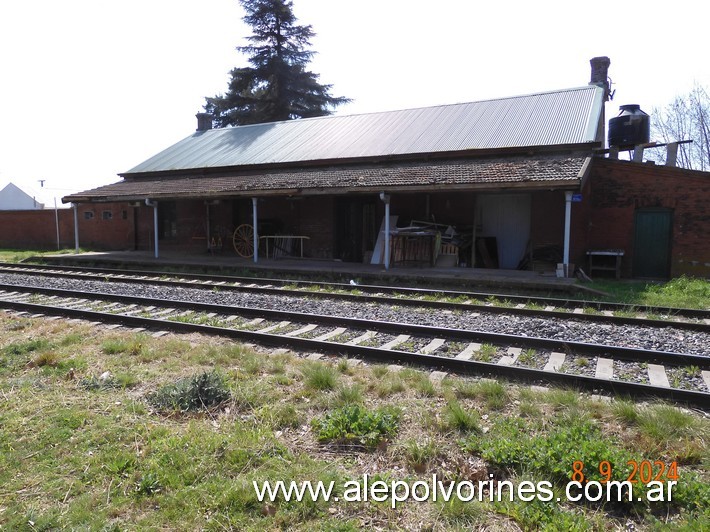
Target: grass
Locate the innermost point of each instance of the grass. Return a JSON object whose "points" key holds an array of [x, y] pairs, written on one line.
{"points": [[458, 417], [419, 454], [349, 395], [682, 292], [492, 393], [20, 255], [320, 376], [83, 446]]}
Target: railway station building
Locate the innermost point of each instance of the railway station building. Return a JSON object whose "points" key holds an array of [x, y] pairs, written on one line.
{"points": [[522, 182]]}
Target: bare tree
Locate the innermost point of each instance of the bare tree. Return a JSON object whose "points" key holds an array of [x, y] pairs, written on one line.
{"points": [[686, 118]]}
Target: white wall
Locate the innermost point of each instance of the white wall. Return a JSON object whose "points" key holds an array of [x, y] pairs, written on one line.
{"points": [[14, 199]]}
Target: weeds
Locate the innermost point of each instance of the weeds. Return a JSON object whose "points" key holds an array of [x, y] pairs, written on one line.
{"points": [[46, 358], [279, 416], [97, 383], [458, 418], [349, 395], [527, 357], [550, 455], [663, 423], [104, 460], [419, 455], [493, 393], [194, 393], [23, 348], [319, 376], [486, 353], [625, 411], [148, 485], [131, 347], [356, 425]]}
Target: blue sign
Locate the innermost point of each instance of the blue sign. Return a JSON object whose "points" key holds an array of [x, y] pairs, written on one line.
{"points": [[576, 198]]}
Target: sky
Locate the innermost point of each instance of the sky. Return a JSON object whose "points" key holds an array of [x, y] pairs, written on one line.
{"points": [[91, 88]]}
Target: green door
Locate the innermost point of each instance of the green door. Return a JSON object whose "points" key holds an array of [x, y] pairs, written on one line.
{"points": [[652, 243]]}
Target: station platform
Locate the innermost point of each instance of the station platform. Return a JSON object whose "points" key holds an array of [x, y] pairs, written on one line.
{"points": [[456, 278]]}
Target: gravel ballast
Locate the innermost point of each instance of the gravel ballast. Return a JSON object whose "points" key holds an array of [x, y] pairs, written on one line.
{"points": [[639, 337]]}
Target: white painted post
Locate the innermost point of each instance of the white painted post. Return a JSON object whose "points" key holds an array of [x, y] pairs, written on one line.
{"points": [[56, 222], [386, 199], [76, 227], [155, 227], [256, 233], [568, 223]]}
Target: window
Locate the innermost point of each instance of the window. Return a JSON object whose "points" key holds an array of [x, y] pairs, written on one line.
{"points": [[88, 215], [107, 215]]}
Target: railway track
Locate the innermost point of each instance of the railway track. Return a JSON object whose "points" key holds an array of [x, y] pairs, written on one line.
{"points": [[678, 376], [530, 306]]}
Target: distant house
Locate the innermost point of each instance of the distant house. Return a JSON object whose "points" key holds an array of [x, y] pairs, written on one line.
{"points": [[516, 182], [13, 198]]}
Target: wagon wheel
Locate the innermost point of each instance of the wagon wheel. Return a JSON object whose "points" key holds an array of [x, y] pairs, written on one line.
{"points": [[243, 240]]}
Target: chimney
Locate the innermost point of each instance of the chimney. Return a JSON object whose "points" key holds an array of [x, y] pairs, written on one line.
{"points": [[600, 77], [204, 121]]}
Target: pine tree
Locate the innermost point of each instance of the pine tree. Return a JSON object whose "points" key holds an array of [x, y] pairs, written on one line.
{"points": [[277, 85]]}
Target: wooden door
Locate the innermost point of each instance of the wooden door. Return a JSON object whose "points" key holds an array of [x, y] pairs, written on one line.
{"points": [[652, 243]]}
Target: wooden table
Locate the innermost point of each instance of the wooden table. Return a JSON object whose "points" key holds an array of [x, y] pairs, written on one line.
{"points": [[282, 245], [604, 255]]}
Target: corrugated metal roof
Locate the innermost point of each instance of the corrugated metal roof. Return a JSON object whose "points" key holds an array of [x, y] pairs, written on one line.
{"points": [[481, 173], [552, 118]]}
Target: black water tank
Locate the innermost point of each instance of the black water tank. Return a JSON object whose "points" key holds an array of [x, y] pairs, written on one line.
{"points": [[630, 128]]}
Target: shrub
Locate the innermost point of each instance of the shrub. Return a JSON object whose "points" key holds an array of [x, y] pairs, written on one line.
{"points": [[192, 393]]}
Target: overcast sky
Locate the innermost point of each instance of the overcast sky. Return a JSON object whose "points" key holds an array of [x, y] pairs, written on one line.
{"points": [[91, 88]]}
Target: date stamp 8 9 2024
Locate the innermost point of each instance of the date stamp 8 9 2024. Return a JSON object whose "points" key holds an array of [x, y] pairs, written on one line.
{"points": [[643, 472], [657, 477]]}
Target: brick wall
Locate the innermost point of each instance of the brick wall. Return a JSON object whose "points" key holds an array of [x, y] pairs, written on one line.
{"points": [[101, 227], [611, 195], [616, 189], [317, 220]]}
